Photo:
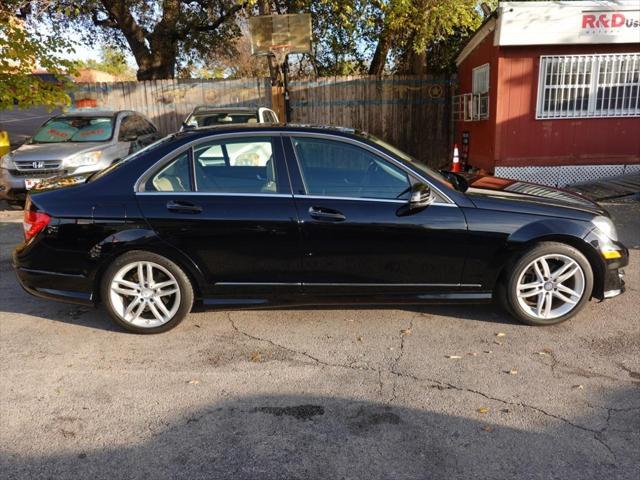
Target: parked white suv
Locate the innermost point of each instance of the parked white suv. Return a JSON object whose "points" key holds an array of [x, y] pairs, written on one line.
{"points": [[211, 116]]}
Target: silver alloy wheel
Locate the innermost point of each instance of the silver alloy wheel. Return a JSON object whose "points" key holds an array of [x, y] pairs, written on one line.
{"points": [[145, 294], [550, 286]]}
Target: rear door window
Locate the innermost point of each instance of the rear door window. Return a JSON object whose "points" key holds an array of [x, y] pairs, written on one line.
{"points": [[174, 177], [236, 166]]}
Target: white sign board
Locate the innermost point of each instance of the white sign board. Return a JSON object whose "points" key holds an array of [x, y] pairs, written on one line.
{"points": [[553, 23]]}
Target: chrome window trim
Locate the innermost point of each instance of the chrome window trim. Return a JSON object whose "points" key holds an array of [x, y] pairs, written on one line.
{"points": [[220, 194], [287, 195], [363, 199], [368, 147]]}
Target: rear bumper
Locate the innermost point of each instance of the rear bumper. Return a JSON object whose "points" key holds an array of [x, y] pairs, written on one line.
{"points": [[69, 288]]}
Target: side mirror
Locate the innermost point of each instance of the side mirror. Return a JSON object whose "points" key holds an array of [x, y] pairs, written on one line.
{"points": [[132, 137], [187, 126], [421, 196]]}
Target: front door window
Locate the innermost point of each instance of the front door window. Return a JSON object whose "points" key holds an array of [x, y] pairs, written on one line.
{"points": [[338, 169]]}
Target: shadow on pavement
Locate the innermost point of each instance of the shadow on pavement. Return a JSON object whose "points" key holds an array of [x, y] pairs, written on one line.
{"points": [[312, 437]]}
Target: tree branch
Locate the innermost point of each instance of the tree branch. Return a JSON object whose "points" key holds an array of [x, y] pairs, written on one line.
{"points": [[210, 27]]}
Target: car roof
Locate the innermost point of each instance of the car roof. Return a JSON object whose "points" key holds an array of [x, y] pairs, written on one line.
{"points": [[196, 133], [217, 108], [92, 112]]}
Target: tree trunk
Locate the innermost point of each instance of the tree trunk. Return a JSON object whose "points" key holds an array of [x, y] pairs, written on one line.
{"points": [[412, 63], [379, 60]]}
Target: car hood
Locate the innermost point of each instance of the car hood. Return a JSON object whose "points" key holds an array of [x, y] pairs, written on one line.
{"points": [[53, 151], [525, 194]]}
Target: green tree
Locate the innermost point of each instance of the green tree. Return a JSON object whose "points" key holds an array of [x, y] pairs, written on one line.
{"points": [[162, 35], [112, 60], [409, 31], [22, 51]]}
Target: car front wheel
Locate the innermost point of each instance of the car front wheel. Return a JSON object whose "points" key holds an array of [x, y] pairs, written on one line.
{"points": [[549, 284], [146, 293]]}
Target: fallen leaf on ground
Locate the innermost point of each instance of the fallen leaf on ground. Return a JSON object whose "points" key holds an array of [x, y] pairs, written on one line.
{"points": [[473, 354], [488, 351], [505, 410], [483, 410], [359, 339], [452, 356], [578, 387], [497, 342], [193, 382], [501, 334], [406, 332], [487, 428], [542, 353], [256, 357], [512, 372]]}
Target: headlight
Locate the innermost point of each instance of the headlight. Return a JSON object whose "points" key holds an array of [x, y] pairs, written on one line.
{"points": [[606, 226], [83, 159], [6, 161]]}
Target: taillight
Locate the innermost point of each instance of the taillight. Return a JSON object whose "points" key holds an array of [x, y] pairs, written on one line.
{"points": [[33, 223]]}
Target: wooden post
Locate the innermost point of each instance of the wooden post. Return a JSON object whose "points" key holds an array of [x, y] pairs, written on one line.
{"points": [[277, 102]]}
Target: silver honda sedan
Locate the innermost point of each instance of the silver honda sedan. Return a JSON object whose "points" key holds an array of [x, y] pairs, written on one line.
{"points": [[76, 142]]}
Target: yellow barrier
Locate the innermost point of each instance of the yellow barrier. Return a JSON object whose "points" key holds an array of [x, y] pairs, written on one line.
{"points": [[4, 142]]}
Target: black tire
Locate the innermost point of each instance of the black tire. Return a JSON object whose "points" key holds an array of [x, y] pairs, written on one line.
{"points": [[507, 291], [185, 301]]}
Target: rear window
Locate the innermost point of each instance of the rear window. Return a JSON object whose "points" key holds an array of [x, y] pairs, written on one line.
{"points": [[205, 119], [75, 130]]}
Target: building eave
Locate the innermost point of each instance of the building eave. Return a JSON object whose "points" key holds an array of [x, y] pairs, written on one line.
{"points": [[486, 29]]}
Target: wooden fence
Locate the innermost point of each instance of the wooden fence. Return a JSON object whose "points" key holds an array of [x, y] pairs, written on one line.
{"points": [[168, 102], [410, 112]]}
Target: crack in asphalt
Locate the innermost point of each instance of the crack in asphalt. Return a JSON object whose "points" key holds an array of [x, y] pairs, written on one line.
{"points": [[403, 334], [435, 383]]}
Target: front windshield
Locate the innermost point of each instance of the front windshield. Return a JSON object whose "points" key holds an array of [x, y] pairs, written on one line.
{"points": [[76, 129], [430, 172], [208, 119], [133, 156]]}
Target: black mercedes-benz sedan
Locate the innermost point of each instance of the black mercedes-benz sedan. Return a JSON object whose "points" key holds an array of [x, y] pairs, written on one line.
{"points": [[264, 215]]}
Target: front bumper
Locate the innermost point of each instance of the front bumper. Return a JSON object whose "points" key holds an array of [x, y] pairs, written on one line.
{"points": [[613, 284], [12, 185]]}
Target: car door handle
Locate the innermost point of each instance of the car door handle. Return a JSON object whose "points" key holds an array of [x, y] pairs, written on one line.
{"points": [[321, 213], [183, 207]]}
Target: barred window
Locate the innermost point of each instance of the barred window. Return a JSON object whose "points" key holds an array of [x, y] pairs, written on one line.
{"points": [[584, 86]]}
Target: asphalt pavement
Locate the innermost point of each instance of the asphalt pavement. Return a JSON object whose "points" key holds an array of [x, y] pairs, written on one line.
{"points": [[22, 124], [438, 392]]}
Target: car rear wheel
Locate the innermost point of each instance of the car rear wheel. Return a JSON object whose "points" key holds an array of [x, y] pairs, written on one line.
{"points": [[549, 284], [146, 293]]}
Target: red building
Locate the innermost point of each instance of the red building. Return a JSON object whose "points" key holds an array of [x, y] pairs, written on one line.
{"points": [[550, 91]]}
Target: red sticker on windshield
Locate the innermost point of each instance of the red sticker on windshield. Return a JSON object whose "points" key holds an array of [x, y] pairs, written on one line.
{"points": [[56, 133], [88, 133]]}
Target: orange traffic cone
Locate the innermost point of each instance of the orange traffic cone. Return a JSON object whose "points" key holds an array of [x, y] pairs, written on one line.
{"points": [[455, 166]]}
